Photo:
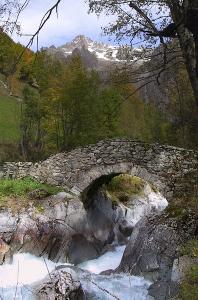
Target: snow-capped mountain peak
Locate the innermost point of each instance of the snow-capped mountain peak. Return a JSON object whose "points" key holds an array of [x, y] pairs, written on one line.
{"points": [[80, 41], [101, 50]]}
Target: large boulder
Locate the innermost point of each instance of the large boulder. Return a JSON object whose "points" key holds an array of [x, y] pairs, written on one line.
{"points": [[152, 249], [60, 284]]}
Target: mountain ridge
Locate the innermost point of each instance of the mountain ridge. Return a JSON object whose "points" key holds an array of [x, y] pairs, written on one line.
{"points": [[103, 52]]}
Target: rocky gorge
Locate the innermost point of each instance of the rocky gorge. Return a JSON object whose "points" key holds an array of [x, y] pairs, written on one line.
{"points": [[121, 240], [64, 232]]}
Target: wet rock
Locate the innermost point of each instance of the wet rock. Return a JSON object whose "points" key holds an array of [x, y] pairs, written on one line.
{"points": [[107, 272], [152, 249], [108, 248], [61, 284], [163, 290], [8, 222], [80, 249], [125, 227], [149, 262], [101, 216], [4, 248], [63, 230]]}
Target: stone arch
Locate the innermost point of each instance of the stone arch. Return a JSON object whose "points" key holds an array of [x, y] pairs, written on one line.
{"points": [[100, 175], [172, 170]]}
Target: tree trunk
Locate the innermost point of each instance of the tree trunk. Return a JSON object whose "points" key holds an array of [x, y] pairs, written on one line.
{"points": [[196, 53], [188, 44], [190, 52]]}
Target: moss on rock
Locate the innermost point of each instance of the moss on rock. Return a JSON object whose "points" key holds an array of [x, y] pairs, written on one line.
{"points": [[189, 286], [190, 248], [121, 188], [180, 207]]}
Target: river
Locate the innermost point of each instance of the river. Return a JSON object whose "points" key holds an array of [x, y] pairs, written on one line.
{"points": [[16, 278]]}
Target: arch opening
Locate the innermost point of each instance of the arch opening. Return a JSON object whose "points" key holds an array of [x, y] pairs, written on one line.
{"points": [[99, 175], [123, 197], [89, 192]]}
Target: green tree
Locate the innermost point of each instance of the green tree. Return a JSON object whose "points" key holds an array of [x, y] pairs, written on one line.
{"points": [[109, 113], [183, 108], [31, 125], [70, 108], [83, 111]]}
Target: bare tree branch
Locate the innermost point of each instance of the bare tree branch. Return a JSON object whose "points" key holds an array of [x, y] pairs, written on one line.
{"points": [[45, 18]]}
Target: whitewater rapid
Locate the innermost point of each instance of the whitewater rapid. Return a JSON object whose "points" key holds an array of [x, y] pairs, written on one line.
{"points": [[16, 279], [105, 287]]}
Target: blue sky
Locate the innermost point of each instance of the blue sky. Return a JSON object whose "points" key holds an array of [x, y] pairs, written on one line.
{"points": [[73, 19]]}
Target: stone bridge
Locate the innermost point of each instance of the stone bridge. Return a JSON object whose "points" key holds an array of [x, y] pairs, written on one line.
{"points": [[174, 171]]}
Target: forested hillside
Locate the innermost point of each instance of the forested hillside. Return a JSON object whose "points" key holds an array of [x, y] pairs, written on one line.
{"points": [[48, 106]]}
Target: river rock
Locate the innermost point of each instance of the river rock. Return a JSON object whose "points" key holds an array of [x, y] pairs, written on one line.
{"points": [[125, 227], [152, 250], [4, 248], [60, 284], [80, 249]]}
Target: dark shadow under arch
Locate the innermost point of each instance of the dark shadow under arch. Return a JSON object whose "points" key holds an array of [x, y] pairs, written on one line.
{"points": [[87, 194]]}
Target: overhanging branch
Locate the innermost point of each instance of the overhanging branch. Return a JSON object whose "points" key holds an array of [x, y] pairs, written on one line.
{"points": [[45, 18]]}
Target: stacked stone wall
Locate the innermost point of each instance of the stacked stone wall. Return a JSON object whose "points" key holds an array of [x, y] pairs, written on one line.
{"points": [[174, 171]]}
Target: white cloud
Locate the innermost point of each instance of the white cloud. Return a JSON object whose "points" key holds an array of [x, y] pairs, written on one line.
{"points": [[73, 19]]}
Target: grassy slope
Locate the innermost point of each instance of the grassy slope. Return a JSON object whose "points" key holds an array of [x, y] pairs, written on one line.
{"points": [[14, 193], [9, 119]]}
